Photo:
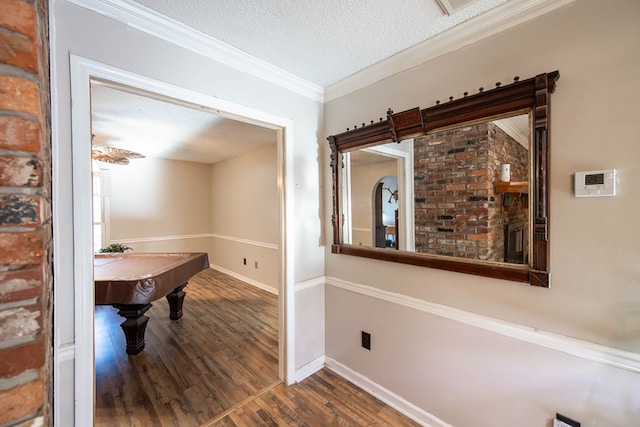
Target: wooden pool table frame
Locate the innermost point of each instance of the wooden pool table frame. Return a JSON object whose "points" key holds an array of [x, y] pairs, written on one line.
{"points": [[131, 281]]}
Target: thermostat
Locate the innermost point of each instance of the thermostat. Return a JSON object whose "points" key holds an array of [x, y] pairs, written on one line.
{"points": [[595, 183]]}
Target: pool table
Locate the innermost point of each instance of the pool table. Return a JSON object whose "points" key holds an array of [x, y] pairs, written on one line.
{"points": [[131, 281]]}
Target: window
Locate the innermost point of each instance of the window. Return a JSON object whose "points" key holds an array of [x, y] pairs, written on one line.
{"points": [[100, 209]]}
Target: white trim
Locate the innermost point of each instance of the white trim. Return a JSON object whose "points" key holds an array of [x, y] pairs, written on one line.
{"points": [[287, 299], [82, 194], [390, 398], [404, 159], [197, 236], [82, 71], [609, 356], [246, 242], [162, 238], [308, 284], [514, 131], [151, 22], [310, 368], [501, 18], [246, 279], [62, 352], [446, 7], [344, 178], [66, 353], [362, 229]]}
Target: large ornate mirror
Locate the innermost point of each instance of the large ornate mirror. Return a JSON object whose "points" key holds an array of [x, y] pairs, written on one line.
{"points": [[461, 186]]}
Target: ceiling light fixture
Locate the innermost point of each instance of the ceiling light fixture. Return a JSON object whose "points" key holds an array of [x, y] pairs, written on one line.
{"points": [[117, 156], [113, 155]]}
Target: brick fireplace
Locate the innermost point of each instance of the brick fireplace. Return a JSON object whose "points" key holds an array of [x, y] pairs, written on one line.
{"points": [[458, 211]]}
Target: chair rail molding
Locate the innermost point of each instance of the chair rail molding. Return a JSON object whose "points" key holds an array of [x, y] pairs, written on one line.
{"points": [[310, 283], [609, 356], [265, 245]]}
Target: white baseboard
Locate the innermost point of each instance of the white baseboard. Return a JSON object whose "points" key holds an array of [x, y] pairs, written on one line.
{"points": [[309, 369], [387, 396], [248, 280]]}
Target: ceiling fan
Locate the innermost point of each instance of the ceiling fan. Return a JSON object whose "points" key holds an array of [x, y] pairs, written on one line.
{"points": [[118, 156]]}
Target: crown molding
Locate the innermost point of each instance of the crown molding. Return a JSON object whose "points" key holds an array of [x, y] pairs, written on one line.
{"points": [[621, 359], [148, 21], [501, 18]]}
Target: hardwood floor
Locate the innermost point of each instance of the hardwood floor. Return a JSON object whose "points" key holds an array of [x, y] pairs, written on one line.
{"points": [[217, 366]]}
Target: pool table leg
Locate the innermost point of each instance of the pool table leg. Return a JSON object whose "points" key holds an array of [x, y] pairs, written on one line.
{"points": [[134, 326], [175, 299]]}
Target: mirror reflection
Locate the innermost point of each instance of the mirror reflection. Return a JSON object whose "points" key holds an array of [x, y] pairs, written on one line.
{"points": [[460, 192]]}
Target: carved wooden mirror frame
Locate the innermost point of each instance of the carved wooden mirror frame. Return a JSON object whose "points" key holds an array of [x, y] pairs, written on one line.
{"points": [[531, 95]]}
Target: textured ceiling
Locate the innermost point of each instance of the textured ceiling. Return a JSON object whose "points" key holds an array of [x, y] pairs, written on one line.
{"points": [[321, 41], [162, 129]]}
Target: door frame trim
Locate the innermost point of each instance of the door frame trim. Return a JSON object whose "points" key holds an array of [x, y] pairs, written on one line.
{"points": [[81, 350]]}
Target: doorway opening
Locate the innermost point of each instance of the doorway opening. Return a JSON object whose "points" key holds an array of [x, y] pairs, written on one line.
{"points": [[84, 71], [377, 196], [385, 212]]}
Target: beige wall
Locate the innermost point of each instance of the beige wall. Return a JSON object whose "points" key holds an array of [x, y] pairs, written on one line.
{"points": [[245, 218], [363, 182], [229, 209], [594, 294], [245, 196], [152, 199]]}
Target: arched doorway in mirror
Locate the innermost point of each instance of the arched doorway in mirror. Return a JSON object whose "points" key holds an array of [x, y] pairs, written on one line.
{"points": [[385, 212]]}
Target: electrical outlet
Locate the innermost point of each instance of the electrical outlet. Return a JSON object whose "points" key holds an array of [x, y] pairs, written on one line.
{"points": [[244, 261], [256, 264], [366, 340], [562, 421]]}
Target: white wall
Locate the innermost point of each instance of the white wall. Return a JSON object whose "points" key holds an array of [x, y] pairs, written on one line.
{"points": [[76, 30], [461, 373]]}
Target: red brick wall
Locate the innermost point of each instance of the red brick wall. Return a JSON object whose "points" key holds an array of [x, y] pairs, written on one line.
{"points": [[504, 149], [25, 214], [457, 211]]}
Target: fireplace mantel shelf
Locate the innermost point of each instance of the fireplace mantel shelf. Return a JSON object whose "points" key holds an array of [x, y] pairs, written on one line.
{"points": [[521, 187]]}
